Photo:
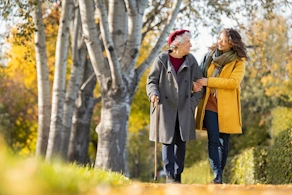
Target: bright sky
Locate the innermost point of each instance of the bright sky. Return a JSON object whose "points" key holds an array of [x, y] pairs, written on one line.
{"points": [[201, 43]]}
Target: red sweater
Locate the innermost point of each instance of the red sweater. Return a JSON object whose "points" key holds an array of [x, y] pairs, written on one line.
{"points": [[176, 62]]}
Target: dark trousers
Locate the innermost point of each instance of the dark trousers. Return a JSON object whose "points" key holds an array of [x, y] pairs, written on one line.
{"points": [[217, 143], [173, 155]]}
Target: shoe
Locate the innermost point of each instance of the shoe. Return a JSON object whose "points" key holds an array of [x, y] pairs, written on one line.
{"points": [[217, 180], [170, 179], [178, 178]]}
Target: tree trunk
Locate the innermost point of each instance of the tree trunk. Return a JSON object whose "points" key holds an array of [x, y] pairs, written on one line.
{"points": [[80, 133], [58, 96], [91, 38], [112, 134], [44, 100], [79, 54]]}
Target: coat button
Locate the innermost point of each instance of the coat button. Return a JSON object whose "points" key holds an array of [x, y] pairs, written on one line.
{"points": [[165, 97], [187, 96]]}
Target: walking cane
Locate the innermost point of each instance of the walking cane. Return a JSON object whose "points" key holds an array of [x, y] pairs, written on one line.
{"points": [[156, 140]]}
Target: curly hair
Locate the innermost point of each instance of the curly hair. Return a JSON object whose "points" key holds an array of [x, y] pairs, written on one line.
{"points": [[235, 40], [179, 39]]}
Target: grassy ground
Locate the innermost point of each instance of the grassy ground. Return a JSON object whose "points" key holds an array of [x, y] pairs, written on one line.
{"points": [[32, 176]]}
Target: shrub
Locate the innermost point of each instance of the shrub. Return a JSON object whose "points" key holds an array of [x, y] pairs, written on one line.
{"points": [[249, 167], [280, 159]]}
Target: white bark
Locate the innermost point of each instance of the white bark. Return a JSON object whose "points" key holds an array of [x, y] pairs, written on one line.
{"points": [[112, 135], [44, 102], [79, 53], [79, 140], [136, 11], [112, 130], [118, 18], [58, 96], [93, 44], [110, 49]]}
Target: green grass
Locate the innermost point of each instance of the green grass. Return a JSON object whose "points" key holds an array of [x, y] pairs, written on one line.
{"points": [[34, 176]]}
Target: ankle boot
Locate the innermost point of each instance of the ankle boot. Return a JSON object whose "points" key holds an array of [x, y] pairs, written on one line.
{"points": [[170, 178], [217, 179], [178, 178]]}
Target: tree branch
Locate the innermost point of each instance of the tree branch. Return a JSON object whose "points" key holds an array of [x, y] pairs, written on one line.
{"points": [[93, 44], [136, 11], [168, 26], [109, 46]]}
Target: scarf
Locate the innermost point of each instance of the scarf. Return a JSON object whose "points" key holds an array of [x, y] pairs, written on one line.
{"points": [[219, 59]]}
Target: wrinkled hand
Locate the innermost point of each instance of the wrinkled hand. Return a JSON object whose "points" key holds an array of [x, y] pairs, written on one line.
{"points": [[197, 87], [153, 98], [203, 81]]}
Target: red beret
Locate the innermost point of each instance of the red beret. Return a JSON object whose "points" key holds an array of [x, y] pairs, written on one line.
{"points": [[174, 34]]}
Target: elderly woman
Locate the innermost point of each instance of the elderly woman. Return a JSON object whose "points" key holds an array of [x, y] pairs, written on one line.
{"points": [[170, 82], [220, 111]]}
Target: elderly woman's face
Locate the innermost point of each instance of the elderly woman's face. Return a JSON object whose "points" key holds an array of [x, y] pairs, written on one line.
{"points": [[223, 42], [185, 47]]}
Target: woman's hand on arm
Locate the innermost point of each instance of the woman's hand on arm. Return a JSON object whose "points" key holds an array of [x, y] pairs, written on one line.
{"points": [[197, 87], [202, 81]]}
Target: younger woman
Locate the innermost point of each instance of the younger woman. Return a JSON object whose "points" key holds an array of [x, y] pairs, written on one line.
{"points": [[220, 110]]}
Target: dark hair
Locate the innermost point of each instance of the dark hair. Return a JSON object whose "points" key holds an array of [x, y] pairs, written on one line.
{"points": [[235, 40]]}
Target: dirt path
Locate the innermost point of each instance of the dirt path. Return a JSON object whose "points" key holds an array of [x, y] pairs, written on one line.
{"points": [[195, 189]]}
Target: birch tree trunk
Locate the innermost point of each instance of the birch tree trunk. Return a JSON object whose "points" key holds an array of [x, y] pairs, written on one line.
{"points": [[80, 133], [79, 53], [112, 130], [112, 134], [44, 101], [58, 96]]}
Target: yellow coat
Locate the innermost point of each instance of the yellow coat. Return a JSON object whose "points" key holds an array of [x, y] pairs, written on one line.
{"points": [[228, 97]]}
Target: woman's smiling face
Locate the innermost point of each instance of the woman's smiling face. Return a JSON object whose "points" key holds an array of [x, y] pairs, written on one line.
{"points": [[223, 42]]}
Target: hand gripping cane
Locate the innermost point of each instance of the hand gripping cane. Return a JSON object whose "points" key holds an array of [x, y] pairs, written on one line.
{"points": [[156, 139]]}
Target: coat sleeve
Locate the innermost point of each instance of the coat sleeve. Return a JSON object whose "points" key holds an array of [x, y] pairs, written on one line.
{"points": [[152, 86], [203, 64], [196, 96], [233, 81]]}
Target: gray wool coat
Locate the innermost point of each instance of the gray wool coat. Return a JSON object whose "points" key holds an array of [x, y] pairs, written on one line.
{"points": [[175, 97]]}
